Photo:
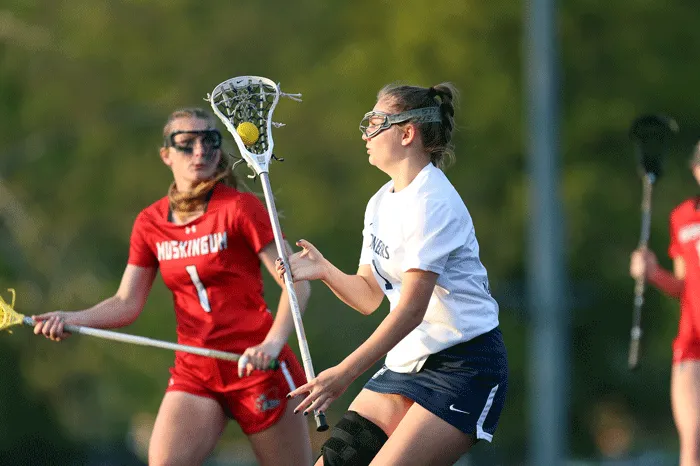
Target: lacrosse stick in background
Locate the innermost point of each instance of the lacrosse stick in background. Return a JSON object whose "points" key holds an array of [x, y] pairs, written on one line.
{"points": [[9, 318], [245, 104], [650, 134]]}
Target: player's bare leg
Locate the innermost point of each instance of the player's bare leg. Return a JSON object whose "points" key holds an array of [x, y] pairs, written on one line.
{"points": [[385, 410], [423, 438], [287, 442], [685, 400], [186, 430]]}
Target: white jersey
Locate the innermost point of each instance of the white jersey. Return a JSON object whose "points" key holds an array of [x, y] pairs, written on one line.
{"points": [[426, 226]]}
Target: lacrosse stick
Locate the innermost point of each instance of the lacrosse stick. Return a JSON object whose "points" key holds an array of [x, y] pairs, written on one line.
{"points": [[650, 134], [245, 104], [9, 318]]}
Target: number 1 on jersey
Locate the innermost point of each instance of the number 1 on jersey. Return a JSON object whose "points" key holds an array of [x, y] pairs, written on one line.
{"points": [[201, 290]]}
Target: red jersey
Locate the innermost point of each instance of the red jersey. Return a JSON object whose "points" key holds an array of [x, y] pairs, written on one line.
{"points": [[212, 267], [685, 243]]}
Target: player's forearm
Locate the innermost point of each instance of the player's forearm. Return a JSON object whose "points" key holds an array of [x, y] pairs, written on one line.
{"points": [[394, 328], [284, 322], [113, 312], [667, 282], [353, 290]]}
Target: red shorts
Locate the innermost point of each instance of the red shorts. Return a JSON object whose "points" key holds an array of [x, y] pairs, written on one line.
{"points": [[685, 350], [256, 401]]}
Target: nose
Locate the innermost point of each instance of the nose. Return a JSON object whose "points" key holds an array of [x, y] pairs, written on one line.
{"points": [[198, 147], [201, 150]]}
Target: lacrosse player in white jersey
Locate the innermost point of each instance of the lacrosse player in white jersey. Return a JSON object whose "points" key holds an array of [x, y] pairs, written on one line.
{"points": [[444, 381]]}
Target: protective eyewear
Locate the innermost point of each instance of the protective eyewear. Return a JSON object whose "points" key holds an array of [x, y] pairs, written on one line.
{"points": [[210, 139], [375, 122]]}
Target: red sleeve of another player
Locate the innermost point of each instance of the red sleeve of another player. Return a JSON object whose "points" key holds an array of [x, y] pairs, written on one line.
{"points": [[674, 248], [139, 252], [254, 221]]}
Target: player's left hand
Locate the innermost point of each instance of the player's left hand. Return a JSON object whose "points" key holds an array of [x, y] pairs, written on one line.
{"points": [[323, 390], [258, 357]]}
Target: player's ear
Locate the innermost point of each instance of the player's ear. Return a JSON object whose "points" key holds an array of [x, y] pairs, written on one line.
{"points": [[165, 156], [408, 134]]}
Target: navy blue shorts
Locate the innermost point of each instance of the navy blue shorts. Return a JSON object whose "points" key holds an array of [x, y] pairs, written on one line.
{"points": [[465, 385]]}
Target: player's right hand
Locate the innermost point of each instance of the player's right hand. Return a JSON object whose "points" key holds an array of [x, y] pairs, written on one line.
{"points": [[307, 264], [51, 325], [643, 263]]}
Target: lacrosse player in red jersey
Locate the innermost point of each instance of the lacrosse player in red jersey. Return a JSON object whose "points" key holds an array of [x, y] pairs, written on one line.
{"points": [[683, 284], [208, 239], [445, 377]]}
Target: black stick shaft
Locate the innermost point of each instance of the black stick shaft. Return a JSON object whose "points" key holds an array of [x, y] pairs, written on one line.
{"points": [[640, 283]]}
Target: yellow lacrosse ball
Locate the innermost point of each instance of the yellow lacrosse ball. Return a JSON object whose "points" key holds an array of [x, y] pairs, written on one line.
{"points": [[248, 132]]}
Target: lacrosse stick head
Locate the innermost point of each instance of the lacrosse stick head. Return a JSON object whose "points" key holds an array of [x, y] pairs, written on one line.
{"points": [[651, 134], [8, 316], [245, 105]]}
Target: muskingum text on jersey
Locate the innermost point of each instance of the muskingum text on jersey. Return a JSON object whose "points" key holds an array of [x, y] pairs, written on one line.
{"points": [[207, 244]]}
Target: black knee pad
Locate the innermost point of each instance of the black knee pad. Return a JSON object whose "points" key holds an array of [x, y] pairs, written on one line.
{"points": [[354, 441]]}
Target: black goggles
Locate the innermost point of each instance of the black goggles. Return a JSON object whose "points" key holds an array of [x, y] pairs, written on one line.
{"points": [[209, 138], [375, 122]]}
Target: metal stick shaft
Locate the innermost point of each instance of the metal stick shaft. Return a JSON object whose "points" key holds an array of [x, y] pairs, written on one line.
{"points": [[144, 341], [289, 284]]}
